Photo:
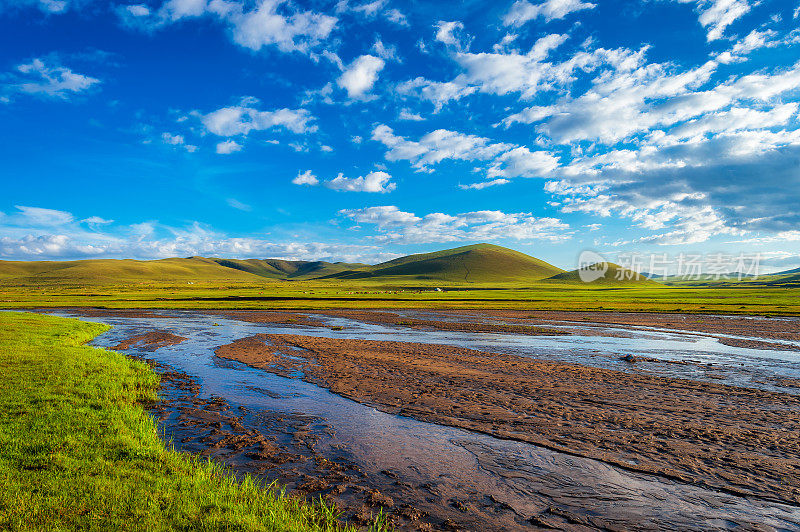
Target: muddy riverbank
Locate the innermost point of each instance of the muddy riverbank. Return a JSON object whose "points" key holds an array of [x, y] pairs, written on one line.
{"points": [[739, 440], [249, 390]]}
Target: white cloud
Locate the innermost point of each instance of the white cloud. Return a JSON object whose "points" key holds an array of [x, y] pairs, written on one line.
{"points": [[452, 34], [437, 92], [523, 11], [521, 162], [360, 75], [252, 25], [228, 147], [374, 9], [264, 26], [378, 181], [396, 16], [383, 216], [405, 114], [753, 41], [177, 140], [394, 225], [484, 184], [306, 178], [238, 205], [436, 146], [63, 238], [96, 220], [387, 52], [38, 216], [50, 7], [717, 15], [53, 80], [242, 119]]}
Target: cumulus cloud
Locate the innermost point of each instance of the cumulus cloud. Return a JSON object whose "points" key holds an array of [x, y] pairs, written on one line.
{"points": [[35, 233], [521, 162], [252, 25], [405, 114], [44, 78], [306, 178], [243, 118], [452, 34], [227, 147], [527, 74], [359, 77], [394, 225], [438, 93], [377, 181], [436, 146], [523, 11], [177, 140]]}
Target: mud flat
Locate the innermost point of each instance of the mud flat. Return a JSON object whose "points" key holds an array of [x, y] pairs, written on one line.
{"points": [[150, 341], [771, 328], [398, 319], [738, 440]]}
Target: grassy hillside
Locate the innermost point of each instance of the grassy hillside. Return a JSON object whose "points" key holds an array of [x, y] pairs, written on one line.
{"points": [[615, 275], [110, 270], [288, 269], [479, 263], [78, 452]]}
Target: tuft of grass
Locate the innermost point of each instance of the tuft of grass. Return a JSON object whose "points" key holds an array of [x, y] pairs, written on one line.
{"points": [[78, 451]]}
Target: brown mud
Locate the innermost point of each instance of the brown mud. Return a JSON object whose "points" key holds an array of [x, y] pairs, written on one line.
{"points": [[271, 317], [276, 446], [775, 329], [116, 313], [150, 341], [391, 318], [738, 440]]}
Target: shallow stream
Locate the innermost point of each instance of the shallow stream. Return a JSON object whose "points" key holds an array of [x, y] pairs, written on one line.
{"points": [[475, 480]]}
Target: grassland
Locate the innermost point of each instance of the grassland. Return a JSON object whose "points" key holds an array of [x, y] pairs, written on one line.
{"points": [[271, 294], [476, 276], [78, 452]]}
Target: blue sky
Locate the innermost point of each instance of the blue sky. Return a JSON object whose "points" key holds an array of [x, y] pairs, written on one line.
{"points": [[357, 130]]}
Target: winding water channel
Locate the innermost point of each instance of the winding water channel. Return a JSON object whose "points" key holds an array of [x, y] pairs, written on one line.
{"points": [[474, 480]]}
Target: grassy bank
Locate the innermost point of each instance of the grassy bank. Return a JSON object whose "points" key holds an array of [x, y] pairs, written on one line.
{"points": [[77, 452]]}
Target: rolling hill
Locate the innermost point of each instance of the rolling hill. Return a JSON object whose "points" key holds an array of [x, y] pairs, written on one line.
{"points": [[288, 269], [615, 275], [177, 269], [475, 263], [126, 270]]}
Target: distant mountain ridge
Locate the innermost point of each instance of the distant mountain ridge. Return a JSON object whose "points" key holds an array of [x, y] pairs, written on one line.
{"points": [[477, 263], [613, 275]]}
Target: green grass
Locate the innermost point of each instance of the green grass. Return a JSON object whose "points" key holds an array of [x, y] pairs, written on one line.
{"points": [[274, 294], [78, 452], [476, 263]]}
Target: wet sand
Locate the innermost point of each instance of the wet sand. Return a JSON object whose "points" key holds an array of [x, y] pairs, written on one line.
{"points": [[742, 441]]}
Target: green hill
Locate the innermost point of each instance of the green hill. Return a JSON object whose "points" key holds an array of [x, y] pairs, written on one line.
{"points": [[126, 270], [475, 263], [288, 269], [614, 275]]}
